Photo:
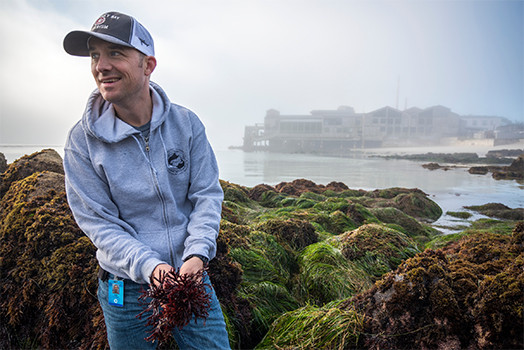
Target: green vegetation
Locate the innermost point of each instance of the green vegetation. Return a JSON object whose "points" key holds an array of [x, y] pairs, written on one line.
{"points": [[459, 214], [298, 265]]}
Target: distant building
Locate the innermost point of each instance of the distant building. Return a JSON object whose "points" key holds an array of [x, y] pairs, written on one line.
{"points": [[473, 126], [341, 130]]}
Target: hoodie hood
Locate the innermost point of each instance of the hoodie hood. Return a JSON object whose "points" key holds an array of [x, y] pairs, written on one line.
{"points": [[100, 119]]}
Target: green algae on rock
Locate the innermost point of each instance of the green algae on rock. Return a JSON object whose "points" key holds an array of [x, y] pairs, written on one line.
{"points": [[326, 275], [310, 327], [498, 210], [295, 267], [376, 248]]}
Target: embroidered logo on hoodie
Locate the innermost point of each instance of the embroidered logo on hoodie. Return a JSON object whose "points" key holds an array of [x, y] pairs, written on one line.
{"points": [[177, 161]]}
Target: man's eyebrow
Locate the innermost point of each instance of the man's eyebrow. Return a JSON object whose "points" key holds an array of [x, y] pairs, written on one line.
{"points": [[111, 47], [118, 47]]}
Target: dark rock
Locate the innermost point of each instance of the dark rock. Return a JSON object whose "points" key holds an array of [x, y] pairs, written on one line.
{"points": [[478, 170], [513, 172], [498, 210], [431, 166], [3, 163]]}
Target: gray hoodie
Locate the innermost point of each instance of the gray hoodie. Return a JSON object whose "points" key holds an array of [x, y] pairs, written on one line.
{"points": [[141, 201]]}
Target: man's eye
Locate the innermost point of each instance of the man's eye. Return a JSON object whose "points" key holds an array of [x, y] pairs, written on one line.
{"points": [[115, 53], [94, 56]]}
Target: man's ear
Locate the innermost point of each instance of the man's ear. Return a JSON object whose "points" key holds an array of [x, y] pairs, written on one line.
{"points": [[150, 64]]}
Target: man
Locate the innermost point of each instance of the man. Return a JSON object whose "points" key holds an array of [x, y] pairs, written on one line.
{"points": [[142, 182]]}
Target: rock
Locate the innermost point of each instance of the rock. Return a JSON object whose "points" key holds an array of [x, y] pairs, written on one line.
{"points": [[431, 166], [293, 233], [513, 172], [498, 210], [377, 248], [46, 160], [466, 296], [478, 170], [3, 163], [47, 268], [256, 192], [299, 186]]}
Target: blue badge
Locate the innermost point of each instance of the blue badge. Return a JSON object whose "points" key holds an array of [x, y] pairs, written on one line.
{"points": [[116, 293]]}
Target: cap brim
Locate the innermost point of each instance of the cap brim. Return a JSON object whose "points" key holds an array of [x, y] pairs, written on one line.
{"points": [[76, 42]]}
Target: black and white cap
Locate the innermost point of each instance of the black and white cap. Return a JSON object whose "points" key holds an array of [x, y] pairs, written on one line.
{"points": [[113, 27]]}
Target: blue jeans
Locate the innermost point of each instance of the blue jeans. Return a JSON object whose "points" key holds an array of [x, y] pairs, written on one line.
{"points": [[126, 331]]}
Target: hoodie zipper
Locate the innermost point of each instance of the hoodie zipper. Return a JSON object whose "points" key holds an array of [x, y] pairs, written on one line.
{"points": [[161, 196]]}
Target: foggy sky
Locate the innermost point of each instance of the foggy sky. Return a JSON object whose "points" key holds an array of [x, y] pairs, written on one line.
{"points": [[230, 61]]}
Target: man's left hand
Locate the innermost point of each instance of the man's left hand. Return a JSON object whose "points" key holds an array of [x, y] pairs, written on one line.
{"points": [[191, 266]]}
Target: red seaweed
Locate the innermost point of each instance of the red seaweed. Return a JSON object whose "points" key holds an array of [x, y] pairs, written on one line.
{"points": [[173, 301]]}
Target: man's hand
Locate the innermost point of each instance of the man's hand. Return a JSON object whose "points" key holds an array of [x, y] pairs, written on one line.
{"points": [[160, 270], [191, 266]]}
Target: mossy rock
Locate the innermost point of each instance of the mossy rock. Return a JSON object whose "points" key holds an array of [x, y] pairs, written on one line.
{"points": [[326, 275], [377, 248], [315, 197], [418, 205], [498, 210], [390, 215], [459, 214], [466, 295], [390, 193], [333, 204], [311, 327], [46, 160], [256, 192], [48, 269], [294, 233], [360, 214], [269, 301], [270, 199], [235, 193], [226, 276]]}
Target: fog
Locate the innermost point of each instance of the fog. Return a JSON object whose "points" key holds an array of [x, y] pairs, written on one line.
{"points": [[231, 61]]}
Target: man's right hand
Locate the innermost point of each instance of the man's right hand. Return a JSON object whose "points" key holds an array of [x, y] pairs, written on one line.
{"points": [[160, 270]]}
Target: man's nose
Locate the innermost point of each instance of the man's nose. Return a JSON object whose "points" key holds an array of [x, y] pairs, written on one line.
{"points": [[103, 64]]}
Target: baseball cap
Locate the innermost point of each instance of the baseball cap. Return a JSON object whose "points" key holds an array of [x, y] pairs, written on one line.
{"points": [[113, 27]]}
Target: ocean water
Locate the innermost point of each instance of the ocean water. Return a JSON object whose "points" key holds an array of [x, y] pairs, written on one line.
{"points": [[452, 189]]}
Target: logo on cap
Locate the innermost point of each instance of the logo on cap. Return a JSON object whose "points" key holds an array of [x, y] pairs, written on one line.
{"points": [[101, 20]]}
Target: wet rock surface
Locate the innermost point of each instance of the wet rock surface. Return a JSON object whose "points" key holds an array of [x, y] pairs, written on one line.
{"points": [[343, 268]]}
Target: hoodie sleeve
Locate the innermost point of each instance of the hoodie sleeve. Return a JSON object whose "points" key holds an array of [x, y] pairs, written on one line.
{"points": [[97, 215], [205, 193]]}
